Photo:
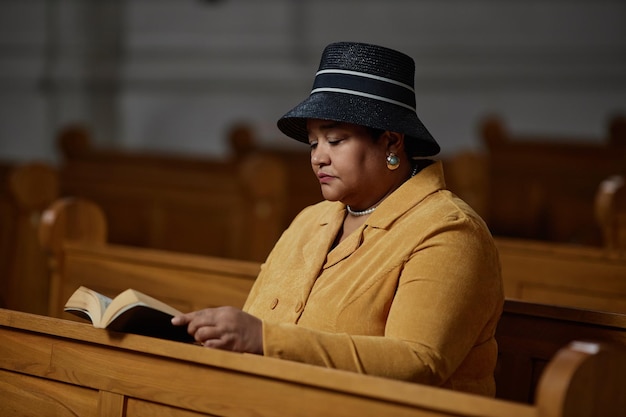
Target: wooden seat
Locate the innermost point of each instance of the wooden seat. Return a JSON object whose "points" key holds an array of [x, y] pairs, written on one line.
{"points": [[610, 211]]}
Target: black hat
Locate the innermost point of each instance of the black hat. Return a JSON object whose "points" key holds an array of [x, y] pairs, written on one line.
{"points": [[367, 85]]}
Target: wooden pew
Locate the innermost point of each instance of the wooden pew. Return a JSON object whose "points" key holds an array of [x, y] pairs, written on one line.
{"points": [[303, 187], [226, 208], [549, 198], [583, 276], [26, 189], [6, 227], [52, 367], [529, 334], [543, 272], [610, 211], [467, 175], [74, 232], [562, 274], [543, 187]]}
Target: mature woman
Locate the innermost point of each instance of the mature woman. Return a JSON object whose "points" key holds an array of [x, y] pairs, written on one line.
{"points": [[392, 275]]}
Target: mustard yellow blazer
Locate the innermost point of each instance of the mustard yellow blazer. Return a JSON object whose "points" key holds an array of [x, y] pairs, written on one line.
{"points": [[415, 294]]}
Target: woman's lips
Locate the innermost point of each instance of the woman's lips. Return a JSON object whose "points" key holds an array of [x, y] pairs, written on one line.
{"points": [[324, 178]]}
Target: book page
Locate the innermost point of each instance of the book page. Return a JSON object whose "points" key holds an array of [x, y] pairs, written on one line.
{"points": [[88, 304], [135, 312], [104, 301], [131, 299]]}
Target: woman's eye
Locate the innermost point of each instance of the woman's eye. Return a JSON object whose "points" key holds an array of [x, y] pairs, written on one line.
{"points": [[334, 141], [313, 145]]}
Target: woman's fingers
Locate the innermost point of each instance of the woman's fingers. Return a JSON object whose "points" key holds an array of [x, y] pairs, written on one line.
{"points": [[224, 328]]}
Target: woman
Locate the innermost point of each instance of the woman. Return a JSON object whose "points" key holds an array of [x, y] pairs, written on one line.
{"points": [[391, 275]]}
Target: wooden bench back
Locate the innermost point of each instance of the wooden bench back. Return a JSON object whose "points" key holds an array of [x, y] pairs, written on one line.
{"points": [[562, 274], [537, 187], [467, 175], [543, 187], [610, 211], [26, 189], [49, 366], [74, 233], [227, 208], [7, 215], [303, 187], [528, 335]]}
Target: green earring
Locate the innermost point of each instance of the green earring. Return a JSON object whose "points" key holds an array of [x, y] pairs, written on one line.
{"points": [[393, 162]]}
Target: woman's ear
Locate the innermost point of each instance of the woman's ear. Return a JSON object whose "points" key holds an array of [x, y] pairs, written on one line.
{"points": [[395, 141]]}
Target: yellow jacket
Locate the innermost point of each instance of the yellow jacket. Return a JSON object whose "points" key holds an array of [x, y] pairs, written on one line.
{"points": [[415, 294]]}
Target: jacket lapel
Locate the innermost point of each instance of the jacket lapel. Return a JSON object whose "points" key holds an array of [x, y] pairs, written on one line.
{"points": [[345, 248], [316, 251], [318, 245]]}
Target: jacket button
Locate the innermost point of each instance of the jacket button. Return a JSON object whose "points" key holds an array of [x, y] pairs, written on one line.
{"points": [[274, 303], [299, 306]]}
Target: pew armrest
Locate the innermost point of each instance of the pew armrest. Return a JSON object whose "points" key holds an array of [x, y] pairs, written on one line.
{"points": [[584, 379], [73, 219]]}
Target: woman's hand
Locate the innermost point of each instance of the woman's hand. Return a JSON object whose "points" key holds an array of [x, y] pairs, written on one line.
{"points": [[226, 328]]}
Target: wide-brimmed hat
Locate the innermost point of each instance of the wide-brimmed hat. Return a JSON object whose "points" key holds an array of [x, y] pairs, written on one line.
{"points": [[367, 85]]}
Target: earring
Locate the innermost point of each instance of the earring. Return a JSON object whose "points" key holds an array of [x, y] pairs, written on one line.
{"points": [[393, 162]]}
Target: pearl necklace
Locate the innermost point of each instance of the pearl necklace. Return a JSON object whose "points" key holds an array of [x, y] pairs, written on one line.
{"points": [[371, 209]]}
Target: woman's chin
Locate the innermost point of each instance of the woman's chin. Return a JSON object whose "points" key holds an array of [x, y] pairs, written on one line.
{"points": [[330, 196]]}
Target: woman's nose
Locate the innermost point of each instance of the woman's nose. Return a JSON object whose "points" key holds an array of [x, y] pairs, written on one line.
{"points": [[318, 156]]}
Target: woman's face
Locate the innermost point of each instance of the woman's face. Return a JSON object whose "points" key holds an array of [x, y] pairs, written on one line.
{"points": [[349, 164]]}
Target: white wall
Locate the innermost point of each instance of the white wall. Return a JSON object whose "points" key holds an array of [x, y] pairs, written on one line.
{"points": [[174, 74]]}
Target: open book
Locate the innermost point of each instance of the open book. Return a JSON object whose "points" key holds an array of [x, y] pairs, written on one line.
{"points": [[129, 312]]}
